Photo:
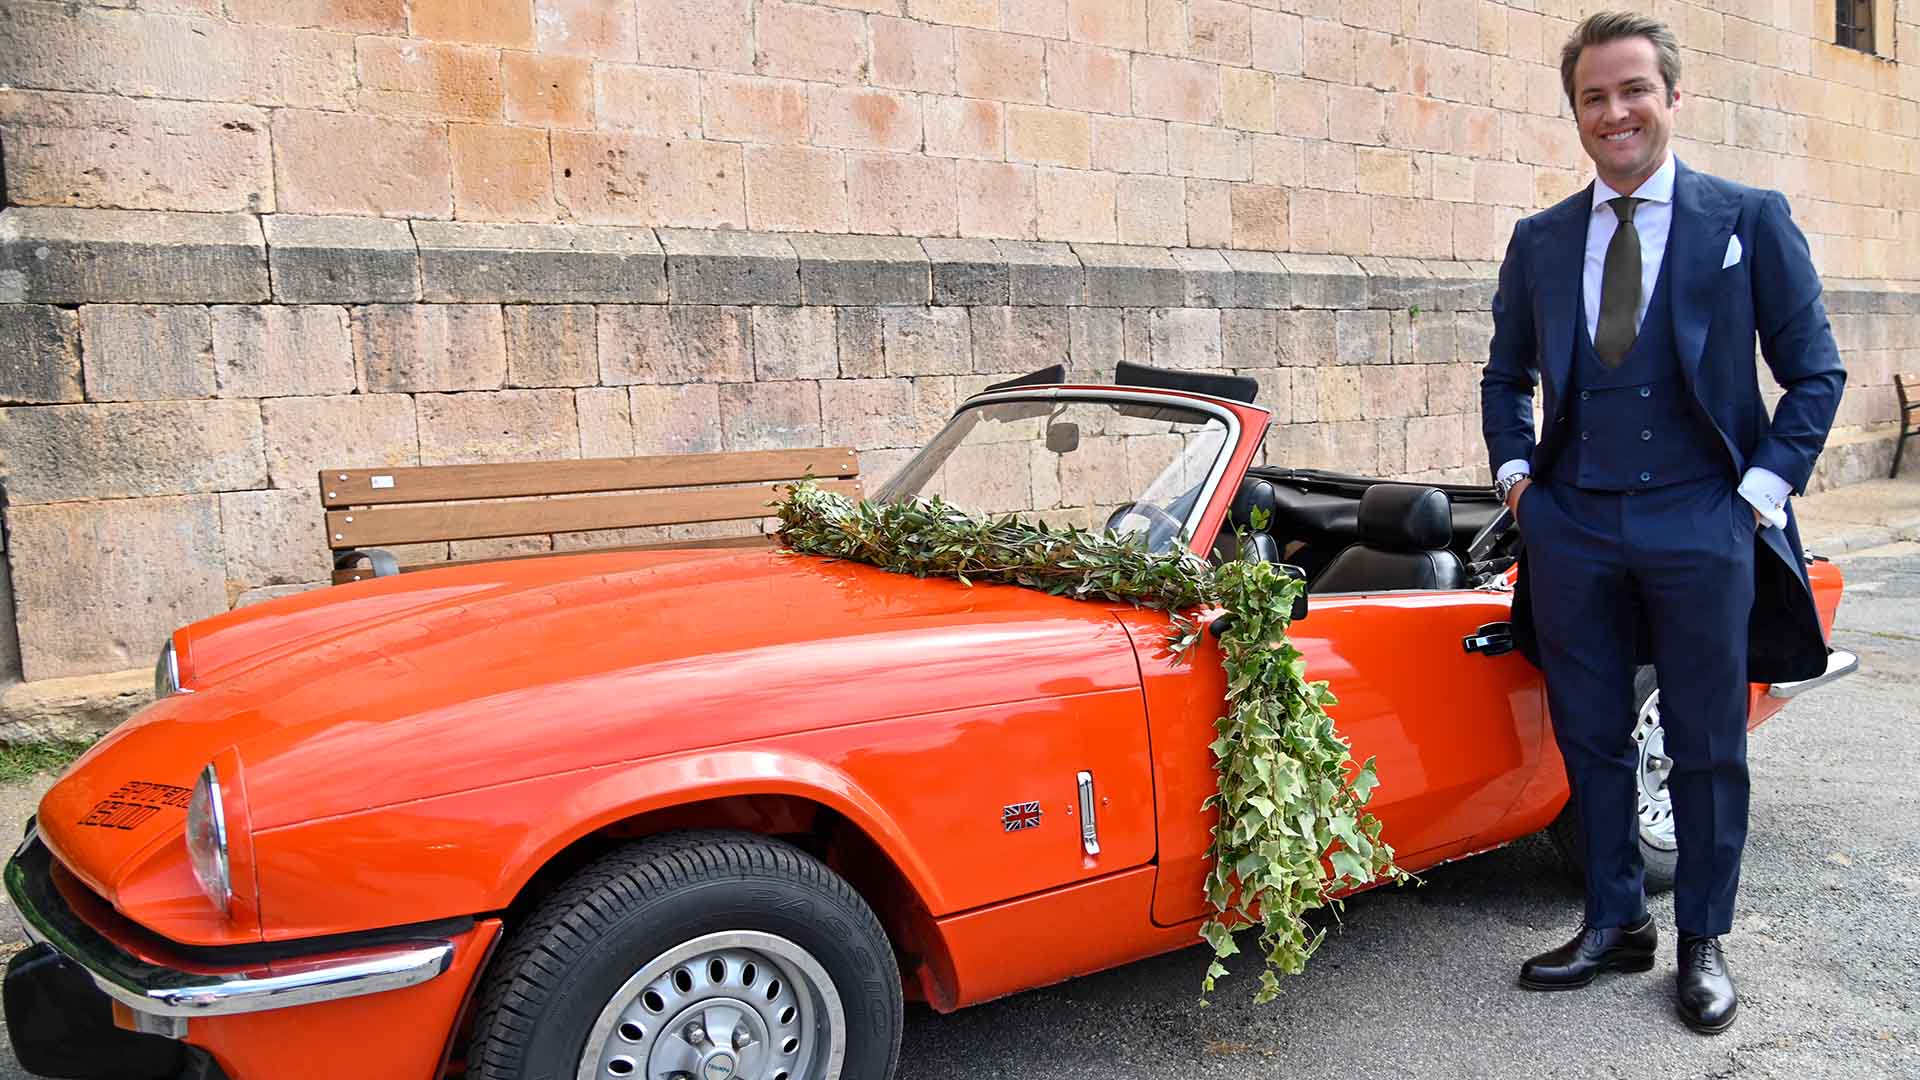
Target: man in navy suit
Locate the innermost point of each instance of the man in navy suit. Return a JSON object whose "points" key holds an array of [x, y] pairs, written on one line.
{"points": [[1654, 501]]}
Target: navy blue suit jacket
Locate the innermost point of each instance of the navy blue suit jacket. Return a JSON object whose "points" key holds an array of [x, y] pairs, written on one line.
{"points": [[1773, 293]]}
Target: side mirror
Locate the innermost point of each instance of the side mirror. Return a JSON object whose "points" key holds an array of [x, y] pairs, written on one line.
{"points": [[1219, 625]]}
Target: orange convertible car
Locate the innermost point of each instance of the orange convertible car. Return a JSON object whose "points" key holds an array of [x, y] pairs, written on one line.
{"points": [[716, 813]]}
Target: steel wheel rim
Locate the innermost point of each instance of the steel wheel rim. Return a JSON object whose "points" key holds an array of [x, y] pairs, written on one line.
{"points": [[763, 1007], [1655, 802]]}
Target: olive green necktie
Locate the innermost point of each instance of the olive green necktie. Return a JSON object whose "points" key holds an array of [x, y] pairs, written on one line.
{"points": [[1619, 287]]}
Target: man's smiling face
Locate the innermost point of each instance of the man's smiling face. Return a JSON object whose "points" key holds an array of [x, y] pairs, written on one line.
{"points": [[1625, 110]]}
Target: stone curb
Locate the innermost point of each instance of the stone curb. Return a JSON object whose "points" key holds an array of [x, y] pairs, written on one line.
{"points": [[69, 256], [83, 706], [1863, 537]]}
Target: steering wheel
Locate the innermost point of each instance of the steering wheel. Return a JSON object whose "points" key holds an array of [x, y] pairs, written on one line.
{"points": [[1163, 526]]}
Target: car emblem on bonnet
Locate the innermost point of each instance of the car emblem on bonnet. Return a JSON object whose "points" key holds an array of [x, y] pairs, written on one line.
{"points": [[1021, 815]]}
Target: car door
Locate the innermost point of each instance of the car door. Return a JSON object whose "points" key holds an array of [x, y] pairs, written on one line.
{"points": [[1456, 733]]}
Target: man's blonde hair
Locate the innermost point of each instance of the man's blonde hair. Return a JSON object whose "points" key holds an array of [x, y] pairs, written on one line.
{"points": [[1604, 26]]}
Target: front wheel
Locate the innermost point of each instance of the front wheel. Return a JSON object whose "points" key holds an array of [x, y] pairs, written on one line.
{"points": [[1659, 850], [694, 956]]}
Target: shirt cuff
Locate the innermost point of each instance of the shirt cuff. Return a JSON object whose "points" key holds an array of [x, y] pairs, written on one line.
{"points": [[1516, 467], [1767, 492]]}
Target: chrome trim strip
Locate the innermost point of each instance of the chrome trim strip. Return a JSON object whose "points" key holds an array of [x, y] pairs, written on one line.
{"points": [[1089, 825], [1174, 399], [157, 990], [1840, 663]]}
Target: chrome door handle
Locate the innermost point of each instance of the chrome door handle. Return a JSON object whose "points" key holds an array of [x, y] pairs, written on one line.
{"points": [[1089, 827]]}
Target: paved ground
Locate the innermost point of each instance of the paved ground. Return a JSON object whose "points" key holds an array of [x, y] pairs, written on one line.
{"points": [[1421, 981]]}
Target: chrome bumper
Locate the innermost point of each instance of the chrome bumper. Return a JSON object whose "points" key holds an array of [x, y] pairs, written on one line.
{"points": [[1840, 663], [164, 997]]}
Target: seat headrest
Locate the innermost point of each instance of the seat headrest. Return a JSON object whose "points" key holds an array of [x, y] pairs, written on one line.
{"points": [[1405, 517], [1254, 494]]}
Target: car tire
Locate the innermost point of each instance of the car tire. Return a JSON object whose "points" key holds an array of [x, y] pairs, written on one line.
{"points": [[1659, 849], [674, 952]]}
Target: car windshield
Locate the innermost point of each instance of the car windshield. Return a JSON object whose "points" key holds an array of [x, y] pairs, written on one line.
{"points": [[1135, 467]]}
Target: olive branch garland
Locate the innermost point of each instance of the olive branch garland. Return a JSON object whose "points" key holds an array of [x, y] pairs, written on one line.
{"points": [[1293, 827]]}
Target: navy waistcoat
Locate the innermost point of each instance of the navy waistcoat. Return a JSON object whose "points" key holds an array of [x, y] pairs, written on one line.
{"points": [[1636, 426]]}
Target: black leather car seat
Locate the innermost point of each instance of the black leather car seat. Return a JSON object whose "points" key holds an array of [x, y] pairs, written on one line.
{"points": [[1404, 532], [1254, 494]]}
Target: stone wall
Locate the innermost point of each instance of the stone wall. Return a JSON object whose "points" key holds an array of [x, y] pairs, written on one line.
{"points": [[242, 239]]}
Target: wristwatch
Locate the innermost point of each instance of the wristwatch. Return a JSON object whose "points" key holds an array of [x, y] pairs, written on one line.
{"points": [[1504, 488]]}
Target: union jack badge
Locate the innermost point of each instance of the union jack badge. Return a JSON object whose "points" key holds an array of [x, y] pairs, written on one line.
{"points": [[1021, 815]]}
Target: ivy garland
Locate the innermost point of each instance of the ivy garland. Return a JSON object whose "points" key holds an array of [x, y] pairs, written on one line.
{"points": [[1293, 826]]}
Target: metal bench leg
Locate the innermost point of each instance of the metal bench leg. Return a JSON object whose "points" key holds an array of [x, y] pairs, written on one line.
{"points": [[1899, 445]]}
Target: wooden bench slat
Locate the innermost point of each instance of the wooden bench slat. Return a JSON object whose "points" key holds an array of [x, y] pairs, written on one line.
{"points": [[341, 488], [382, 526], [758, 540]]}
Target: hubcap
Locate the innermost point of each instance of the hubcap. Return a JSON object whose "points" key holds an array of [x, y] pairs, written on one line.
{"points": [[1655, 802], [740, 1005]]}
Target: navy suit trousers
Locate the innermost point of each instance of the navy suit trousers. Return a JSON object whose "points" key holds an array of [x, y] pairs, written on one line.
{"points": [[1681, 558]]}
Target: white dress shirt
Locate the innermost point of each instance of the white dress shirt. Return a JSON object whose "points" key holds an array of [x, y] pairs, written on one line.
{"points": [[1766, 491]]}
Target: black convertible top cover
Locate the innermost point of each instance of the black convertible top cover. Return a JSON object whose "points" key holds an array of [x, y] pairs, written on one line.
{"points": [[1231, 387]]}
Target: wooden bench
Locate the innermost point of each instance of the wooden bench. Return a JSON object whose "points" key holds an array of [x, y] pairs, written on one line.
{"points": [[1909, 388], [368, 510]]}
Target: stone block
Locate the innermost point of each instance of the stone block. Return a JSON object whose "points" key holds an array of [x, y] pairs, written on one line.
{"points": [[1095, 345], [502, 172], [359, 431], [1260, 280], [272, 537], [138, 352], [39, 354], [511, 425], [277, 350], [1187, 338], [1462, 286], [1362, 337], [926, 341], [1394, 390], [725, 267], [967, 271], [264, 593], [552, 345], [794, 343], [1206, 278], [1018, 340], [54, 453], [1042, 275], [862, 353], [901, 195], [1341, 396], [98, 586], [89, 150], [606, 421], [1248, 338], [1435, 442], [52, 255], [884, 413], [369, 166], [1326, 281], [469, 262], [681, 419], [402, 348], [677, 344], [1126, 276], [79, 707], [1312, 341], [336, 260], [1472, 336], [769, 415], [1396, 283], [862, 270]]}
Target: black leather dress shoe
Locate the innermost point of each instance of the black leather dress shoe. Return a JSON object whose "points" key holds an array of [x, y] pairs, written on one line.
{"points": [[1593, 950], [1707, 998]]}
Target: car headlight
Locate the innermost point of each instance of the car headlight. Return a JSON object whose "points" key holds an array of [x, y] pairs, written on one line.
{"points": [[166, 673], [207, 840]]}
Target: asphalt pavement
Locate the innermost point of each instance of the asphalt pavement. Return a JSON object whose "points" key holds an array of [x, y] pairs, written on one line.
{"points": [[1420, 981]]}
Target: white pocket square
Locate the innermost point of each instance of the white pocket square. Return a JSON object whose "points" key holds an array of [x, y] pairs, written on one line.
{"points": [[1733, 252]]}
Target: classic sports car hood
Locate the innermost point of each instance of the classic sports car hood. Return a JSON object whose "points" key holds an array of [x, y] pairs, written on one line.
{"points": [[404, 688]]}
